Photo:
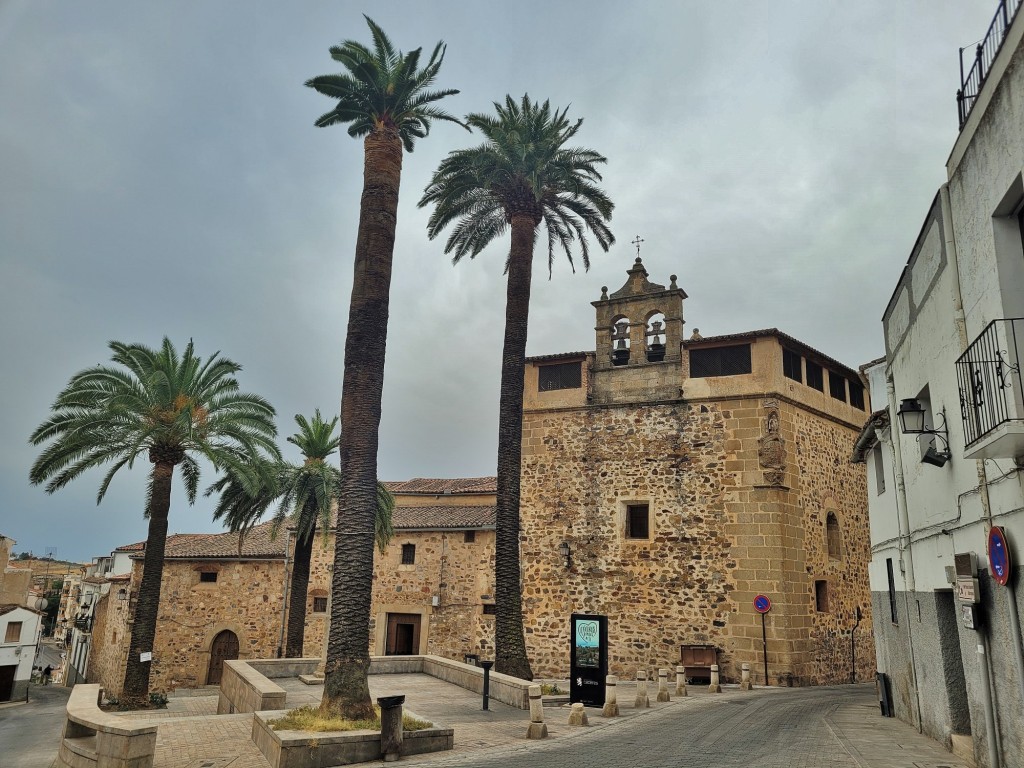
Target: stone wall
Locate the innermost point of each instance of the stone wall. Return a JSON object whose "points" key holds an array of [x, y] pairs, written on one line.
{"points": [[739, 492]]}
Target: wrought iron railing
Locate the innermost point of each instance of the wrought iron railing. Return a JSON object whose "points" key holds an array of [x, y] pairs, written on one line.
{"points": [[984, 54], [988, 376]]}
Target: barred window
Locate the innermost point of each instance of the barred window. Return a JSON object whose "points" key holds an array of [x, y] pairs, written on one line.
{"points": [[207, 577], [408, 554], [638, 521], [559, 376], [319, 605], [489, 609], [468, 537], [720, 361], [791, 367], [815, 376]]}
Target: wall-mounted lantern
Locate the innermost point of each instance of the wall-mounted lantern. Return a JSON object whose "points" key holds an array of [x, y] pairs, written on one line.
{"points": [[912, 422]]}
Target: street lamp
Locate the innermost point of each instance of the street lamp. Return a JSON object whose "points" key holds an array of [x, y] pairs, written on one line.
{"points": [[912, 422]]}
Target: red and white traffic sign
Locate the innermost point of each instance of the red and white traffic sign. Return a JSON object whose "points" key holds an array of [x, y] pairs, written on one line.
{"points": [[762, 604]]}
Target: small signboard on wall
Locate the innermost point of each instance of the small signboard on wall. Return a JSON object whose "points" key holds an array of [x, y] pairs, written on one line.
{"points": [[588, 658]]}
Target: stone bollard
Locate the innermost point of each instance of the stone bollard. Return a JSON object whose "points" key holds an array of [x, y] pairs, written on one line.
{"points": [[663, 685], [537, 729], [681, 681], [577, 715], [745, 684], [611, 702], [642, 701], [390, 727], [714, 687]]}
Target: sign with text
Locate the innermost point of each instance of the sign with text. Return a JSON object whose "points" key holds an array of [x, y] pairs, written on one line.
{"points": [[967, 590], [588, 658]]}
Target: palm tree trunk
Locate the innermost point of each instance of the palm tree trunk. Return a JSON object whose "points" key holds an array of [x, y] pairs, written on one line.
{"points": [[509, 643], [348, 660], [135, 693], [297, 597]]}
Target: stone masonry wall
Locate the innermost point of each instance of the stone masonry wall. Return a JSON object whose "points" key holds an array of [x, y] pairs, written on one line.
{"points": [[739, 491]]}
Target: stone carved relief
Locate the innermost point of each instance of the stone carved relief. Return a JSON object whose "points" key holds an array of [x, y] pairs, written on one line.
{"points": [[771, 449]]}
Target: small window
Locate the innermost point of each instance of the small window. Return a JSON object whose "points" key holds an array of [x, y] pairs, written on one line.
{"points": [[821, 596], [791, 365], [720, 361], [319, 605], [815, 376], [837, 386], [638, 521], [833, 537], [489, 609], [876, 459], [468, 537], [207, 577], [560, 376], [408, 554], [892, 590], [856, 394], [13, 634]]}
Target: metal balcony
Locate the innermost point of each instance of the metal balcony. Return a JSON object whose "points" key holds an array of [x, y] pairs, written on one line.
{"points": [[991, 398], [985, 53]]}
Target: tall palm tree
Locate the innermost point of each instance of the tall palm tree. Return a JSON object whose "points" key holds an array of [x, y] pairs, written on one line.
{"points": [[173, 410], [522, 175], [385, 97], [306, 493]]}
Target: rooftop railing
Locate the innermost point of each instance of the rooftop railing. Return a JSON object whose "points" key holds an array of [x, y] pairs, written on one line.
{"points": [[984, 54]]}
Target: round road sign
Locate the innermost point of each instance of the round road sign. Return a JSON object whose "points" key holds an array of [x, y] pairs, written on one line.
{"points": [[998, 555], [762, 604]]}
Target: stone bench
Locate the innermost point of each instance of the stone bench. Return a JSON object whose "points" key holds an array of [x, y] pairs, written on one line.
{"points": [[93, 738], [243, 688]]}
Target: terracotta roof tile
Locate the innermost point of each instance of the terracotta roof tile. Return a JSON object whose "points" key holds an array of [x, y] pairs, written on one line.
{"points": [[417, 518], [442, 486]]}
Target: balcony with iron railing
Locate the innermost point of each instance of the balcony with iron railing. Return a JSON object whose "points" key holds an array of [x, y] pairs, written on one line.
{"points": [[984, 54], [991, 397]]}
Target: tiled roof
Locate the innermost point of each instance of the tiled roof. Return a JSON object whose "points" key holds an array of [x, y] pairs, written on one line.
{"points": [[119, 577], [255, 544], [429, 486], [558, 356], [866, 439], [174, 538], [5, 609], [417, 518]]}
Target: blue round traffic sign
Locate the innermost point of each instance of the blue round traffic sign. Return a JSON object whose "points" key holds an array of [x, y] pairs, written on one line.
{"points": [[998, 556], [762, 604]]}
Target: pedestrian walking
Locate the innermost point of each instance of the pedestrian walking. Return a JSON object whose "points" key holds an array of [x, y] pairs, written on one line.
{"points": [[46, 674]]}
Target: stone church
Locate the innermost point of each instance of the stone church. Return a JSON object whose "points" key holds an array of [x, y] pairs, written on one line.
{"points": [[666, 483]]}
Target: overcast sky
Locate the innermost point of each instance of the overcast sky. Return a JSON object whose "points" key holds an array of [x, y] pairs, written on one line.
{"points": [[160, 174]]}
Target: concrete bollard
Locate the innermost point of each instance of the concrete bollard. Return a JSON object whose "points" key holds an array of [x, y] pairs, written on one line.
{"points": [[390, 727], [641, 701], [538, 729], [745, 684], [714, 687], [577, 715], [663, 685], [611, 702], [681, 681]]}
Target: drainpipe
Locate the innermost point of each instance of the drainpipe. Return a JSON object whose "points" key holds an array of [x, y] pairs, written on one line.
{"points": [[284, 597], [960, 320], [905, 551]]}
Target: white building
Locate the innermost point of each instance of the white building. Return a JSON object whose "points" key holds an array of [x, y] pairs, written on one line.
{"points": [[947, 632], [19, 635]]}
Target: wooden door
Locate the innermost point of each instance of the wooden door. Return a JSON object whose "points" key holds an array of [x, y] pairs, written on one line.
{"points": [[403, 638], [7, 682], [224, 648]]}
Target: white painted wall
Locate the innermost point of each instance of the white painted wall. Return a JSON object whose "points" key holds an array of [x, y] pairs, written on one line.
{"points": [[22, 652]]}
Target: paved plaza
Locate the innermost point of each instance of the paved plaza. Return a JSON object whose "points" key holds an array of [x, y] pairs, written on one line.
{"points": [[831, 727]]}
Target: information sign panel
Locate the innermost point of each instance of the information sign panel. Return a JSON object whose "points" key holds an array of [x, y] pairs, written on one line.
{"points": [[588, 658]]}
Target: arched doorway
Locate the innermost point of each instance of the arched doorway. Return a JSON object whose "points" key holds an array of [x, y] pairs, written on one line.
{"points": [[223, 648]]}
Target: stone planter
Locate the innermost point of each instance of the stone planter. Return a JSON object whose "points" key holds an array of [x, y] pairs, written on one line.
{"points": [[303, 749]]}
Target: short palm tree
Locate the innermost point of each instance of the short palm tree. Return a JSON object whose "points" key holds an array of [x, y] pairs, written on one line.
{"points": [[521, 176], [386, 97], [173, 410], [305, 494]]}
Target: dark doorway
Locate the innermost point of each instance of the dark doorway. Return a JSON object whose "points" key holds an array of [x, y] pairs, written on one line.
{"points": [[224, 648], [403, 634], [7, 682]]}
